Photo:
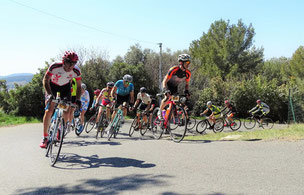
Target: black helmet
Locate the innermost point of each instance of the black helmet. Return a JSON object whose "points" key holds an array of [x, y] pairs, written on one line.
{"points": [[143, 90]]}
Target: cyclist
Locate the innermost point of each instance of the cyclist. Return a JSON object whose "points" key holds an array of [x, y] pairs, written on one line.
{"points": [[144, 101], [96, 94], [57, 79], [174, 77], [85, 101], [123, 90], [105, 100], [260, 110], [215, 113], [73, 100], [230, 112]]}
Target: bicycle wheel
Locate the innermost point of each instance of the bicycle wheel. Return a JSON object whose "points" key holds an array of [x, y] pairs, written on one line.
{"points": [[267, 123], [133, 126], [201, 126], [191, 123], [156, 125], [100, 126], [144, 128], [90, 124], [178, 133], [219, 125], [236, 124], [55, 144], [249, 123]]}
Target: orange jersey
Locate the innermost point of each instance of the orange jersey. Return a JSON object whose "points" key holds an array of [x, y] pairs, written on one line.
{"points": [[176, 75]]}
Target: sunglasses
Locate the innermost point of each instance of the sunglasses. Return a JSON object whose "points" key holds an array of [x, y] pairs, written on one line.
{"points": [[127, 82], [70, 63], [187, 62]]}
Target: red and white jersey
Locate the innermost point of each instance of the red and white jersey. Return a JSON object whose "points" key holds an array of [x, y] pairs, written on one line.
{"points": [[60, 77]]}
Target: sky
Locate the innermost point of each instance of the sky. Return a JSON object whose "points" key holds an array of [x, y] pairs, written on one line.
{"points": [[34, 31]]}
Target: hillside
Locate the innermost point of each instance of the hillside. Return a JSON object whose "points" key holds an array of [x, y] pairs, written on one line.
{"points": [[20, 78]]}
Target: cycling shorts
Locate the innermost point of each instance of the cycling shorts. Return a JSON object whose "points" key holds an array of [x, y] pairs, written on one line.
{"points": [[65, 91], [121, 99], [106, 102]]}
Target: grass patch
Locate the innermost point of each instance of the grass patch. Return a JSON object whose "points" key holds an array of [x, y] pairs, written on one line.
{"points": [[293, 132], [6, 120]]}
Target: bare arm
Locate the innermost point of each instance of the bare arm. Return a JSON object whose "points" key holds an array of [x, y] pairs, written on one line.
{"points": [[165, 82], [132, 97], [46, 84], [113, 92]]}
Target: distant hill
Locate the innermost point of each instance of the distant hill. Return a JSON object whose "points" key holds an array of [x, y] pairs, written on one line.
{"points": [[19, 78]]}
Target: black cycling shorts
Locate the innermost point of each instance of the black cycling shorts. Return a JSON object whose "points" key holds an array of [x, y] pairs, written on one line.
{"points": [[121, 99], [73, 99], [65, 90], [172, 88], [142, 107]]}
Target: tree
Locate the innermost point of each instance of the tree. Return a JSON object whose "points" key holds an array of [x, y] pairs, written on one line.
{"points": [[297, 63], [225, 51]]}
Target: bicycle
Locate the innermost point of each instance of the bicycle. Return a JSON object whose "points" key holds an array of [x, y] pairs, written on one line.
{"points": [[191, 122], [234, 125], [172, 121], [56, 130], [76, 122], [251, 121], [102, 124], [116, 123], [204, 124], [139, 126]]}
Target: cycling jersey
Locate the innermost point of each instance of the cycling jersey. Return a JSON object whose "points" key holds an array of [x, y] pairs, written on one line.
{"points": [[106, 96], [122, 90], [60, 77], [175, 76], [231, 109], [214, 109], [145, 99], [85, 100], [264, 108]]}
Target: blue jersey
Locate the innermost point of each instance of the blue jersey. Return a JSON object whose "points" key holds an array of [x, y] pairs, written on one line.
{"points": [[122, 90]]}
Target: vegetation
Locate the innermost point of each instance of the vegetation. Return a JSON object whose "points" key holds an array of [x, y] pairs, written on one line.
{"points": [[225, 65], [294, 132], [6, 120]]}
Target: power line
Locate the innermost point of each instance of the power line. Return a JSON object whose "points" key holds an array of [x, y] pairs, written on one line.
{"points": [[79, 24]]}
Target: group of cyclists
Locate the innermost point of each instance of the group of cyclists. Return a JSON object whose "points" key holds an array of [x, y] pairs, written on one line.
{"points": [[65, 77]]}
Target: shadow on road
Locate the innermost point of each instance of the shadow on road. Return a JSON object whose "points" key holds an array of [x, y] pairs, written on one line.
{"points": [[75, 161], [112, 186], [78, 143]]}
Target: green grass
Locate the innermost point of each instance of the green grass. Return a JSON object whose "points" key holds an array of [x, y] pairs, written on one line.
{"points": [[6, 120], [293, 132]]}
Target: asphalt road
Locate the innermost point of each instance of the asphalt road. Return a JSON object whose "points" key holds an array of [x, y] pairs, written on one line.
{"points": [[145, 166]]}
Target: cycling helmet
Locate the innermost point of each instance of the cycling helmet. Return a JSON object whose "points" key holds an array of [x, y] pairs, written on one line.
{"points": [[227, 102], [128, 78], [97, 91], [184, 57], [110, 84], [83, 86], [258, 101], [183, 100], [209, 103], [143, 90], [70, 56]]}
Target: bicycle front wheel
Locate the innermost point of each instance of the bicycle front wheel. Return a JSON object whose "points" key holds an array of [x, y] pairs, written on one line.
{"points": [[201, 126], [267, 123], [133, 126], [55, 144], [249, 123], [219, 125], [236, 124], [156, 125], [178, 132], [90, 124], [191, 123]]}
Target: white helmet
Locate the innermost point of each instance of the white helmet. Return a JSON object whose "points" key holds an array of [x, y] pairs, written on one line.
{"points": [[184, 57], [83, 86], [128, 78], [209, 103]]}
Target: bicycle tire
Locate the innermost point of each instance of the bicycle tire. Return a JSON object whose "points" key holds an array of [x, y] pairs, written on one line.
{"points": [[201, 126], [237, 124], [178, 133], [249, 123], [100, 126], [267, 123], [143, 130], [132, 128], [219, 125], [90, 124], [191, 122], [53, 155], [156, 125]]}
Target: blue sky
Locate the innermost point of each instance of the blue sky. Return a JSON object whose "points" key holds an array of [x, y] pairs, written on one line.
{"points": [[28, 38]]}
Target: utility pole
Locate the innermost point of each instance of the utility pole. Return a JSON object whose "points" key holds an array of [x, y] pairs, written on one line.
{"points": [[160, 67]]}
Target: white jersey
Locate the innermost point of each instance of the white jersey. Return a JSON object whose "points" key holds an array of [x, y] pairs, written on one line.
{"points": [[60, 77], [145, 99]]}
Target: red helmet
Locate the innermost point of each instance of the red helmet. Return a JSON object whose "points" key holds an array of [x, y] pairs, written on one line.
{"points": [[97, 91], [258, 101], [227, 102], [70, 56]]}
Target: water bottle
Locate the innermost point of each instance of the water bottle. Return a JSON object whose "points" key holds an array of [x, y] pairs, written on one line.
{"points": [[58, 95]]}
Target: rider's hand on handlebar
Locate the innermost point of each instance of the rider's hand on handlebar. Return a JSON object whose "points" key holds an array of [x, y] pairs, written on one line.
{"points": [[202, 114]]}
